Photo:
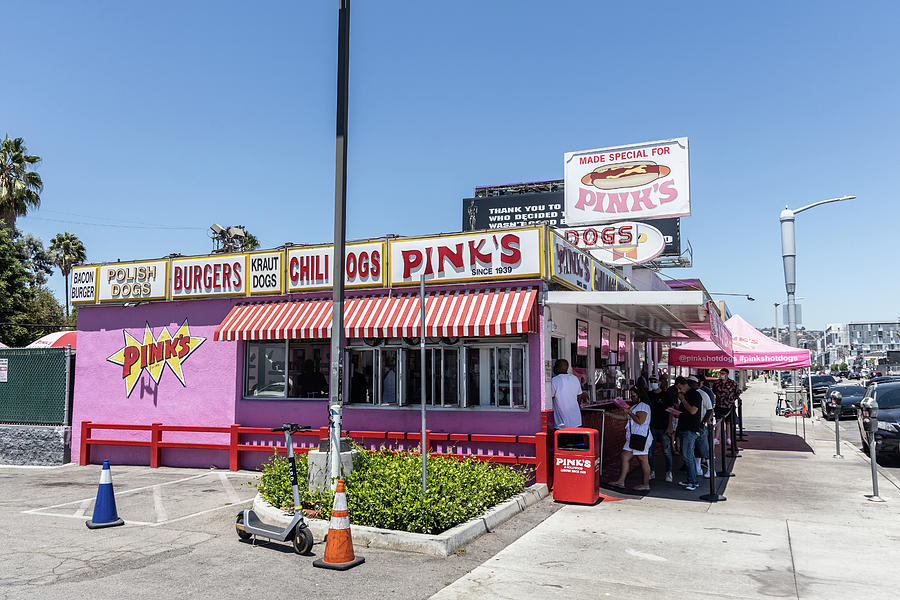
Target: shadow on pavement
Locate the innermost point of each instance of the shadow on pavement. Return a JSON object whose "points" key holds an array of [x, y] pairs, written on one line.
{"points": [[770, 440]]}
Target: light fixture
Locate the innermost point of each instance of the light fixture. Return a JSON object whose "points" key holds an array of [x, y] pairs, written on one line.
{"points": [[217, 228]]}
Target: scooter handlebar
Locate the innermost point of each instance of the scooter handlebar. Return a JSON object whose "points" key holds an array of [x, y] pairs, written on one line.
{"points": [[291, 427]]}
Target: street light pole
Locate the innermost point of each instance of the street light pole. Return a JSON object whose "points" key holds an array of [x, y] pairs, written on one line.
{"points": [[789, 257], [336, 396], [777, 339]]}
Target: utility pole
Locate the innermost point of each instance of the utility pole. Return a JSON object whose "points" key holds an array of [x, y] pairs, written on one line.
{"points": [[336, 400]]}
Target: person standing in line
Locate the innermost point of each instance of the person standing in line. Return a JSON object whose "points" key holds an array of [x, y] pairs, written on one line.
{"points": [[660, 427], [688, 430], [638, 439], [706, 413], [726, 395], [566, 390]]}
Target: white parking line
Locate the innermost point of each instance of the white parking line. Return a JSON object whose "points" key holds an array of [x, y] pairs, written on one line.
{"points": [[229, 489], [82, 508], [161, 514], [159, 507], [131, 491]]}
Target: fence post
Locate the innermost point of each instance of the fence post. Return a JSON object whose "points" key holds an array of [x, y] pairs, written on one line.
{"points": [[155, 438], [234, 463], [323, 433], [540, 456], [85, 454], [426, 443]]}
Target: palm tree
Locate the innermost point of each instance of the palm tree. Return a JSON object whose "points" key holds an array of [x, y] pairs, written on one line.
{"points": [[20, 189], [67, 250]]}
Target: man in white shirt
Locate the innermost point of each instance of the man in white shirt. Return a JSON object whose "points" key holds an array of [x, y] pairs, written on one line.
{"points": [[566, 394]]}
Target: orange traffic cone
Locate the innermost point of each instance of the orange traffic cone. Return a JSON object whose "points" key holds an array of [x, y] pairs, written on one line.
{"points": [[339, 545]]}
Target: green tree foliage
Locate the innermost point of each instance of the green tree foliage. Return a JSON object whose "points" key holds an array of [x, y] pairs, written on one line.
{"points": [[20, 187], [23, 300], [67, 250], [844, 366]]}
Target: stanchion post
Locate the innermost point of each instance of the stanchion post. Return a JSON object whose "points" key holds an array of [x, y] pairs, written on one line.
{"points": [[740, 405], [874, 497], [732, 432], [713, 495], [723, 437]]}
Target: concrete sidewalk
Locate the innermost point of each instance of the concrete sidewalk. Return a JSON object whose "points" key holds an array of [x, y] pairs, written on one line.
{"points": [[796, 524]]}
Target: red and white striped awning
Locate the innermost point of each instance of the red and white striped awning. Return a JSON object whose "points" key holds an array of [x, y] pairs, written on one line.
{"points": [[471, 313]]}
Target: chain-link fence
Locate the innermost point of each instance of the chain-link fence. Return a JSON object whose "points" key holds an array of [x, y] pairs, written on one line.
{"points": [[35, 386]]}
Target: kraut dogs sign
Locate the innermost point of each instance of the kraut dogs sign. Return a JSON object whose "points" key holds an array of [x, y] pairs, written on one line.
{"points": [[642, 181]]}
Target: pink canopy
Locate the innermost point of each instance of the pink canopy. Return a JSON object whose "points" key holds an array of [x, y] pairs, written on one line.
{"points": [[752, 350]]}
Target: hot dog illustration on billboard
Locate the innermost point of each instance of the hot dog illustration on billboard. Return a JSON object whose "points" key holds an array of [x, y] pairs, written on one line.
{"points": [[639, 181]]}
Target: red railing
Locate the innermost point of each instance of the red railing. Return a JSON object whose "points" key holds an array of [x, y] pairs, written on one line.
{"points": [[234, 447]]}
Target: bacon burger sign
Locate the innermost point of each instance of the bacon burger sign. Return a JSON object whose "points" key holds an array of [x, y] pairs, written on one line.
{"points": [[642, 181]]}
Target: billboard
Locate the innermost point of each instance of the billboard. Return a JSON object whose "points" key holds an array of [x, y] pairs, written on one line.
{"points": [[639, 181], [512, 210], [623, 243]]}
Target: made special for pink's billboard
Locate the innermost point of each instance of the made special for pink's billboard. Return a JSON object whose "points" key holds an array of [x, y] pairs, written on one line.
{"points": [[639, 181]]}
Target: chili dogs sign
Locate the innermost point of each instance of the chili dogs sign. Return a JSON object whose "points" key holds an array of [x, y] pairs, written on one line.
{"points": [[311, 268], [154, 353], [642, 181], [467, 257]]}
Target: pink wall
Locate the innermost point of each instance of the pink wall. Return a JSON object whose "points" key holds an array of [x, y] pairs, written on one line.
{"points": [[211, 395]]}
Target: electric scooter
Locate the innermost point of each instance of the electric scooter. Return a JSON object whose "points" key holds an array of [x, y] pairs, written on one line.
{"points": [[248, 524]]}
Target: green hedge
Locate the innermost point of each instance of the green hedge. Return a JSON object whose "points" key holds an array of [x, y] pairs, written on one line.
{"points": [[386, 490]]}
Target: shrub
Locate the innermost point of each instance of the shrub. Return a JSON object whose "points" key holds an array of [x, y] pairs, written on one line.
{"points": [[385, 490]]}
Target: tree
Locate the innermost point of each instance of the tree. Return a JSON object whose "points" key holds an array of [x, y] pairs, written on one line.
{"points": [[67, 250], [844, 366], [20, 189]]}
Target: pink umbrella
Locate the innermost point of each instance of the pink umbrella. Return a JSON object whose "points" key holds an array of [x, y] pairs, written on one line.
{"points": [[59, 339], [2, 345]]}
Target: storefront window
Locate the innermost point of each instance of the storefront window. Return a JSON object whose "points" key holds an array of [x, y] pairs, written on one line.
{"points": [[309, 363], [473, 373], [265, 370]]}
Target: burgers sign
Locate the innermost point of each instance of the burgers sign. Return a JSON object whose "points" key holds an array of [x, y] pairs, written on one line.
{"points": [[641, 181]]}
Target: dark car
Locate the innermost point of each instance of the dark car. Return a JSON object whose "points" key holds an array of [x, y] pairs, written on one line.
{"points": [[881, 379], [820, 385], [852, 394], [786, 380], [854, 375], [844, 374], [887, 437]]}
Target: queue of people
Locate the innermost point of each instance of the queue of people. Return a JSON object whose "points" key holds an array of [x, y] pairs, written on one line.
{"points": [[676, 419], [669, 419]]}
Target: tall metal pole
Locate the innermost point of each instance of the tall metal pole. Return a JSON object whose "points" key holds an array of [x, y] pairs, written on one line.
{"points": [[789, 257], [423, 447], [336, 399], [777, 339]]}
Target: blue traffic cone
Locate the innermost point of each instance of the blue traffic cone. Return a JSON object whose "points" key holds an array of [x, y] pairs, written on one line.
{"points": [[105, 506]]}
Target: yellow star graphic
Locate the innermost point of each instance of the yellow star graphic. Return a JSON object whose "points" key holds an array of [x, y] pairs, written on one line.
{"points": [[152, 354]]}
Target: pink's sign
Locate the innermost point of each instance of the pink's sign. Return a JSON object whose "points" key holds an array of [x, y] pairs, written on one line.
{"points": [[641, 181]]}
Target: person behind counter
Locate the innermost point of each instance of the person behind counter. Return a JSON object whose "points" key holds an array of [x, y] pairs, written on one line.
{"points": [[567, 392], [660, 426], [638, 439]]}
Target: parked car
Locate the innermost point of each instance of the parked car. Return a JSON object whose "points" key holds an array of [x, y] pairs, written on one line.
{"points": [[844, 374], [786, 379], [820, 385], [881, 379], [852, 395], [887, 437], [854, 375]]}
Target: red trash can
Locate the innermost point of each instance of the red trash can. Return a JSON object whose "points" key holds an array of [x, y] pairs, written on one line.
{"points": [[576, 472]]}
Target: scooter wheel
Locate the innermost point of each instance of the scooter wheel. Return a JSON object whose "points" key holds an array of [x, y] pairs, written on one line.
{"points": [[302, 540], [238, 526]]}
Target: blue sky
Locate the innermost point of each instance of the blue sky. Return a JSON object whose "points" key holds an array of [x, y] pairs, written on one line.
{"points": [[158, 119]]}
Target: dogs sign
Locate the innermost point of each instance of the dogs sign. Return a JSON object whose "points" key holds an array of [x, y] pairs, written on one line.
{"points": [[642, 181]]}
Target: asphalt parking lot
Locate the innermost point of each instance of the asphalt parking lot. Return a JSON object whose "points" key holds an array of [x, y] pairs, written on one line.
{"points": [[179, 541]]}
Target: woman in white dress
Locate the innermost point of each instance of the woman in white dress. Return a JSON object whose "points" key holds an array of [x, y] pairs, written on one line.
{"points": [[637, 430]]}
